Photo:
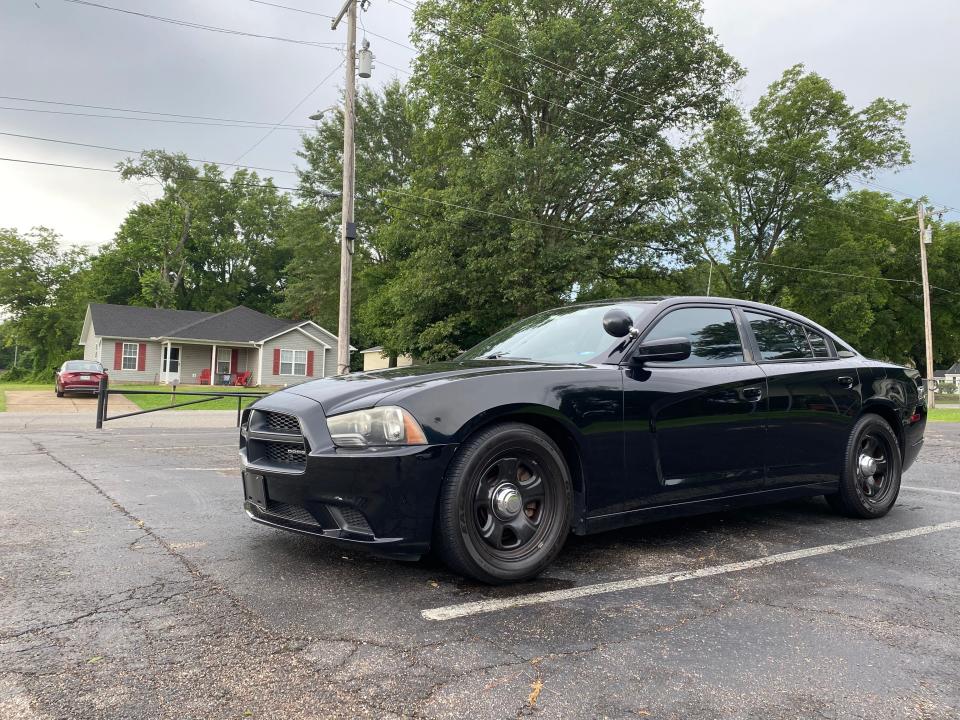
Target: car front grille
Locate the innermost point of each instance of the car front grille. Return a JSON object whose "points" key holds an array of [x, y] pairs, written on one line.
{"points": [[285, 453], [274, 439], [278, 422], [294, 513]]}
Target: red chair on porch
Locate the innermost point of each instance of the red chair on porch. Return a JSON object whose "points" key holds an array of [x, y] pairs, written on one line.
{"points": [[242, 378], [204, 377]]}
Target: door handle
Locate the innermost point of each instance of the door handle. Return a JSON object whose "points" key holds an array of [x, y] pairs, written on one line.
{"points": [[845, 380], [752, 393]]}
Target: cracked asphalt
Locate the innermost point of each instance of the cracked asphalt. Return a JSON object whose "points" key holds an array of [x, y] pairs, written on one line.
{"points": [[133, 586]]}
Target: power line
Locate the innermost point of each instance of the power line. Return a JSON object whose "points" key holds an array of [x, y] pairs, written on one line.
{"points": [[263, 123], [201, 26], [136, 152], [248, 125], [325, 16], [292, 110]]}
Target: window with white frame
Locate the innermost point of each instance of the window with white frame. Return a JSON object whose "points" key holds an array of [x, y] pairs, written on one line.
{"points": [[293, 362], [223, 361], [130, 351]]}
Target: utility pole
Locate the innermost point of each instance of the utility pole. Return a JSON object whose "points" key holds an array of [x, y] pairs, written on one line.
{"points": [[348, 231], [927, 329]]}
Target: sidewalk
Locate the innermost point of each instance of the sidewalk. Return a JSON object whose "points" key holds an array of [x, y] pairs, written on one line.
{"points": [[21, 421]]}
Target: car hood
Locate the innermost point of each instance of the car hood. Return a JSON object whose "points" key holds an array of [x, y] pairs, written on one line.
{"points": [[356, 391]]}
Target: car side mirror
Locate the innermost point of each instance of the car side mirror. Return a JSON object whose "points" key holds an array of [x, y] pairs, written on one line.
{"points": [[845, 354], [664, 350], [618, 323]]}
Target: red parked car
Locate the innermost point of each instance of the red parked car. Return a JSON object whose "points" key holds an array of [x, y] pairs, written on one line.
{"points": [[79, 376]]}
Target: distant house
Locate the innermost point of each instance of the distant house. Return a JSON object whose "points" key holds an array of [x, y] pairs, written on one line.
{"points": [[155, 345], [375, 359], [950, 376]]}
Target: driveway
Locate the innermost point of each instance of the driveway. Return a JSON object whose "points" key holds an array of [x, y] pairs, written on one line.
{"points": [[42, 402], [133, 586]]}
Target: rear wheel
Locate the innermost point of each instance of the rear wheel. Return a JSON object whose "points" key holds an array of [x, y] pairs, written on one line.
{"points": [[871, 474], [505, 505], [59, 391]]}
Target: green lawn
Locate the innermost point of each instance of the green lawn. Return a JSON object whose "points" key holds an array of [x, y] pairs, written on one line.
{"points": [[944, 415], [146, 402]]}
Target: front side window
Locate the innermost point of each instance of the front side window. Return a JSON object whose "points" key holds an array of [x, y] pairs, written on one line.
{"points": [[130, 356], [778, 338], [293, 362], [712, 332]]}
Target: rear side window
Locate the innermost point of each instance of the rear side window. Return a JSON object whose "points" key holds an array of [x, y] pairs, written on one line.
{"points": [[779, 339], [818, 343], [713, 334]]}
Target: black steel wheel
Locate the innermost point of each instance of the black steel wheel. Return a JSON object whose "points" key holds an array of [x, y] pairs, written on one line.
{"points": [[871, 475], [505, 506]]}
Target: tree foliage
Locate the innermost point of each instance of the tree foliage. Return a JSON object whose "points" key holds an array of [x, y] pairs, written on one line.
{"points": [[758, 176], [545, 159], [43, 291], [208, 242]]}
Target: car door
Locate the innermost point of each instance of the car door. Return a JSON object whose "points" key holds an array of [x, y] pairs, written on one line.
{"points": [[694, 429], [814, 398]]}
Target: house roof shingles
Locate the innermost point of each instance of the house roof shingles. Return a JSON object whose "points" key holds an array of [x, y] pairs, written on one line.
{"points": [[239, 324], [129, 321]]}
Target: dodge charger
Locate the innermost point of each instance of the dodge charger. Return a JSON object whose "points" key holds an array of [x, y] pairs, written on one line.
{"points": [[582, 419]]}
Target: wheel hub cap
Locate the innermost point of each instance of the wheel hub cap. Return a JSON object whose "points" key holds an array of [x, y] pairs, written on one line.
{"points": [[507, 501], [868, 465]]}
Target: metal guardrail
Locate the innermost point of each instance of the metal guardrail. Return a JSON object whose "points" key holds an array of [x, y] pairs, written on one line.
{"points": [[104, 393]]}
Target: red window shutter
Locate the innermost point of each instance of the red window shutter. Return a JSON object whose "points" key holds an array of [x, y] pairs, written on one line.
{"points": [[118, 356], [234, 360], [276, 361], [142, 357], [309, 363]]}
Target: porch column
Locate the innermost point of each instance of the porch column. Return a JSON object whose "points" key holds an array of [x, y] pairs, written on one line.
{"points": [[166, 362], [259, 365], [213, 365]]}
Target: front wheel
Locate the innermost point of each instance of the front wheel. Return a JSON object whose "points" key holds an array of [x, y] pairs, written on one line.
{"points": [[871, 473], [505, 506]]}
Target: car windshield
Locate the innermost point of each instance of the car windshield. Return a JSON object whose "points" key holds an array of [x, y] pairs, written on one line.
{"points": [[82, 366], [565, 335]]}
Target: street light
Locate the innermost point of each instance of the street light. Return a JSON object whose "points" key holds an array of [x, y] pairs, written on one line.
{"points": [[318, 115]]}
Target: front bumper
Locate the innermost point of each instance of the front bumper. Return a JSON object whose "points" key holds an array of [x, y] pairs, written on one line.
{"points": [[382, 499]]}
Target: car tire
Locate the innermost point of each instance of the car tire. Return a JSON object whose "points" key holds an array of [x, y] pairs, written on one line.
{"points": [[872, 467], [59, 393], [505, 506]]}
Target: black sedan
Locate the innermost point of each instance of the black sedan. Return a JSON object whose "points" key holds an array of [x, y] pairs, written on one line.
{"points": [[581, 419]]}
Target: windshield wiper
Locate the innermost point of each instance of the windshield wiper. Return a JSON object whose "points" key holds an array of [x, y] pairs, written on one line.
{"points": [[502, 355]]}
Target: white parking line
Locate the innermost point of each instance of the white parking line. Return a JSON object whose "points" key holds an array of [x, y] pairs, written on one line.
{"points": [[930, 490], [451, 612]]}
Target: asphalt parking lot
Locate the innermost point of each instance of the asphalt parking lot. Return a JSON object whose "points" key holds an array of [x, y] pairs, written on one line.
{"points": [[133, 586]]}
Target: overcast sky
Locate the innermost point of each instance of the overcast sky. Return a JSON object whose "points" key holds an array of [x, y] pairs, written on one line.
{"points": [[55, 50]]}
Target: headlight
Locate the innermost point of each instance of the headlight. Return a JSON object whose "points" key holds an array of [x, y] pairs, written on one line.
{"points": [[378, 426]]}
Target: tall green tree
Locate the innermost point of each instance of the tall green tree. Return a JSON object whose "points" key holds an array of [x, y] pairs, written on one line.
{"points": [[389, 127], [546, 158], [43, 291], [757, 176], [862, 278], [207, 243]]}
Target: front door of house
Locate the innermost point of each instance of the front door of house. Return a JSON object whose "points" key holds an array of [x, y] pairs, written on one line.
{"points": [[170, 363]]}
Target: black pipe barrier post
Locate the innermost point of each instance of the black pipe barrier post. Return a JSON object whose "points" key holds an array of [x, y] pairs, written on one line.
{"points": [[101, 401]]}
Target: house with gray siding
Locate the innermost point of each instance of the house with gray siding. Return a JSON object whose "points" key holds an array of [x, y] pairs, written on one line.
{"points": [[158, 346]]}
